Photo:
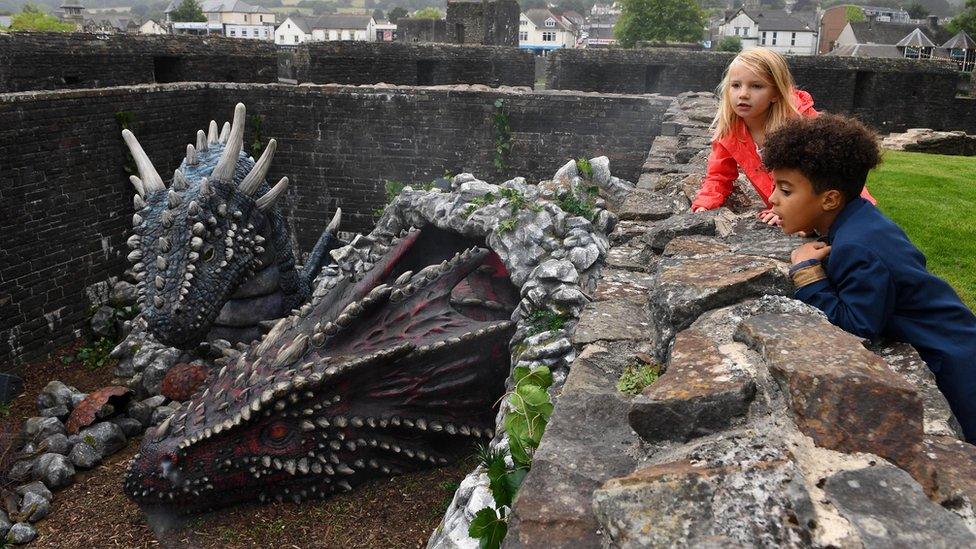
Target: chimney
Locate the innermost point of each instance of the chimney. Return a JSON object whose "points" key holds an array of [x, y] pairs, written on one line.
{"points": [[933, 22]]}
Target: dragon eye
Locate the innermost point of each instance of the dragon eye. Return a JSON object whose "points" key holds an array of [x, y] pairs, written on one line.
{"points": [[208, 254], [278, 434]]}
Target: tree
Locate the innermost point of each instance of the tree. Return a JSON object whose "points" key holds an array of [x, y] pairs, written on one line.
{"points": [[917, 11], [31, 18], [730, 43], [966, 20], [659, 21], [377, 14], [428, 13], [395, 14], [189, 11], [854, 14]]}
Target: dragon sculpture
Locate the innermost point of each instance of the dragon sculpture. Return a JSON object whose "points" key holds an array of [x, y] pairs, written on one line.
{"points": [[396, 368], [212, 253], [393, 370]]}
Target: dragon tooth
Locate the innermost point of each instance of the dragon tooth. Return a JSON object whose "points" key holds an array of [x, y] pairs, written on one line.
{"points": [[343, 320], [266, 396], [161, 263], [317, 469], [198, 229], [318, 339], [193, 256], [450, 429], [340, 421], [222, 209], [308, 425], [290, 466], [137, 202], [322, 422], [344, 485], [158, 302], [229, 254], [436, 427], [133, 241], [351, 445], [266, 461], [291, 352], [228, 241], [344, 469], [303, 466], [246, 413], [371, 422], [395, 421], [356, 421], [136, 220], [276, 463], [256, 406], [134, 256], [421, 424]]}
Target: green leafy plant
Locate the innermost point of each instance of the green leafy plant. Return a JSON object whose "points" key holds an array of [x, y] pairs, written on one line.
{"points": [[584, 168], [89, 440], [525, 423], [95, 355], [503, 136], [636, 377], [578, 203], [517, 201], [258, 144], [506, 225], [4, 409], [544, 320]]}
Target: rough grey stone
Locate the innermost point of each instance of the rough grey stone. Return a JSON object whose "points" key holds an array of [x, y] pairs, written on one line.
{"points": [[57, 443], [54, 470], [21, 470], [613, 320], [123, 294], [4, 524], [103, 321], [108, 438], [60, 411], [687, 504], [658, 236], [21, 533], [154, 371], [39, 428], [641, 205], [889, 509], [130, 426], [161, 413], [34, 507], [36, 487], [83, 456], [56, 393]]}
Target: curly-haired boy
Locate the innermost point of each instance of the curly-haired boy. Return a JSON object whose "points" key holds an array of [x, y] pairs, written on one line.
{"points": [[865, 274]]}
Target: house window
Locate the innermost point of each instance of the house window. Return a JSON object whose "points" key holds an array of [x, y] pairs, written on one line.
{"points": [[764, 38], [261, 18], [774, 38], [793, 39], [233, 32], [295, 38], [550, 23], [548, 36], [523, 36], [523, 23]]}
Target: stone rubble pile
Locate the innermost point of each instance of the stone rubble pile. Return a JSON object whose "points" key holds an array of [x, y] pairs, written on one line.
{"points": [[930, 141], [768, 427]]}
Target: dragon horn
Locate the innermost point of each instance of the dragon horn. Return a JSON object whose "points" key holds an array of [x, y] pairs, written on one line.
{"points": [[147, 173], [212, 133], [260, 169], [268, 200], [201, 140], [227, 164], [334, 224], [137, 183]]}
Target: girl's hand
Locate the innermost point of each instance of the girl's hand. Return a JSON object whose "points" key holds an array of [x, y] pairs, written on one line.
{"points": [[769, 218], [697, 209]]}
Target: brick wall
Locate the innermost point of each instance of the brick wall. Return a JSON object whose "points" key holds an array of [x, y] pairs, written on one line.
{"points": [[412, 64], [889, 94], [47, 61], [474, 22], [65, 205]]}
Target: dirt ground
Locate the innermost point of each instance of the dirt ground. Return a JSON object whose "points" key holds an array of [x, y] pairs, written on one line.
{"points": [[93, 511]]}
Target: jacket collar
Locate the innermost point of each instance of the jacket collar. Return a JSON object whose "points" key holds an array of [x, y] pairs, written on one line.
{"points": [[849, 211]]}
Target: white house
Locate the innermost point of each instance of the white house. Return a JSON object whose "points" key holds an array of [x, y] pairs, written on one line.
{"points": [[344, 27], [385, 31], [237, 19], [296, 30], [292, 31], [773, 29], [152, 27], [542, 31]]}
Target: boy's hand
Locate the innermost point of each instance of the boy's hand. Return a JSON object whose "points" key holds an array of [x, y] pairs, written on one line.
{"points": [[811, 250], [769, 218]]}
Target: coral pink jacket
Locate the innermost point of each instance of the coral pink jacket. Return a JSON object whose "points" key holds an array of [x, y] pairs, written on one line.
{"points": [[737, 151]]}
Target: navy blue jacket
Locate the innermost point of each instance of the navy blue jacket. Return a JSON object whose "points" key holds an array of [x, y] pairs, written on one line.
{"points": [[877, 286]]}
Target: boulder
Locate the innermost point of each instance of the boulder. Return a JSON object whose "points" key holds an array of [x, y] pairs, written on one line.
{"points": [[840, 394], [56, 393], [57, 443], [34, 507], [624, 318], [123, 294], [39, 428], [54, 470], [103, 322], [4, 524], [658, 236], [130, 426], [21, 533], [36, 487], [143, 410], [83, 455], [105, 437]]}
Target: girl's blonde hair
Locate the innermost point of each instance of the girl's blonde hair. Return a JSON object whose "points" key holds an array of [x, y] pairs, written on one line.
{"points": [[766, 64]]}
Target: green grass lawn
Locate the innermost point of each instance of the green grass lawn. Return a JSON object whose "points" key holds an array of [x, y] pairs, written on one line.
{"points": [[933, 198]]}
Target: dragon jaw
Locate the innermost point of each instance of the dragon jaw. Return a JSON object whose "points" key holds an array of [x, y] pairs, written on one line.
{"points": [[390, 373]]}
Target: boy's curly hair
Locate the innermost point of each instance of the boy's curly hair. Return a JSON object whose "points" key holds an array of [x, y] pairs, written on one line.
{"points": [[833, 152]]}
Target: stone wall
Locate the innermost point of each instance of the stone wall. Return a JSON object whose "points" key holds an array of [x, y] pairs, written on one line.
{"points": [[495, 22], [66, 203], [889, 94], [47, 61], [422, 30], [768, 427], [412, 64]]}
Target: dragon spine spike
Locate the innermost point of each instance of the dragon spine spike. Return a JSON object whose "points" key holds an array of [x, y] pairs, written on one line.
{"points": [[204, 187], [191, 155], [147, 172], [173, 199], [212, 133], [137, 202], [228, 159], [254, 179], [224, 133], [180, 182], [202, 141], [265, 202], [137, 183]]}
